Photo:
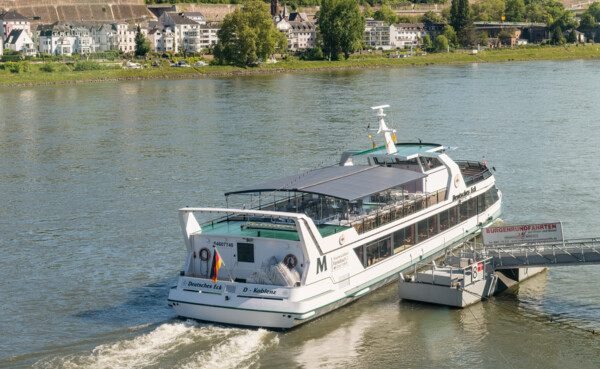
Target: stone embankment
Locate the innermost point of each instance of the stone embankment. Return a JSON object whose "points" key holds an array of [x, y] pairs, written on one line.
{"points": [[50, 11]]}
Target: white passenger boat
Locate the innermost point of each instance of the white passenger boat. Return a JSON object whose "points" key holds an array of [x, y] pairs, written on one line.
{"points": [[320, 240]]}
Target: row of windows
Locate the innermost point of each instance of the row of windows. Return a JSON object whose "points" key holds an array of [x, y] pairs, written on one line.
{"points": [[415, 233]]}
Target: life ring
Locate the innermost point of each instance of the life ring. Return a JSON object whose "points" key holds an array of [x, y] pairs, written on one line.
{"points": [[290, 261], [456, 181], [204, 254]]}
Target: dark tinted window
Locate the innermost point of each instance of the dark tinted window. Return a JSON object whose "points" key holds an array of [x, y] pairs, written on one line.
{"points": [[245, 252]]}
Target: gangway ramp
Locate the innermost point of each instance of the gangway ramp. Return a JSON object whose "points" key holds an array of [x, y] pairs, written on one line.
{"points": [[544, 254]]}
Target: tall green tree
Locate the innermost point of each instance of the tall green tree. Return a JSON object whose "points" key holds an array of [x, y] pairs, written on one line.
{"points": [[515, 10], [385, 14], [460, 18], [248, 34], [341, 27], [460, 14], [142, 45]]}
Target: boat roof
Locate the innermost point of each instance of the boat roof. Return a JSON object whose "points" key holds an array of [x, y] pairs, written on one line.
{"points": [[342, 182], [406, 150]]}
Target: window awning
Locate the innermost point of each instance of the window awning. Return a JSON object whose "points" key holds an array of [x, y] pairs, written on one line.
{"points": [[343, 182]]}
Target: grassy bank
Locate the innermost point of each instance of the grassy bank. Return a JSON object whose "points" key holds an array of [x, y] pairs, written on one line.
{"points": [[38, 74]]}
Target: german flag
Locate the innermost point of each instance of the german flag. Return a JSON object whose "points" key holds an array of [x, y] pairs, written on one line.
{"points": [[216, 264]]}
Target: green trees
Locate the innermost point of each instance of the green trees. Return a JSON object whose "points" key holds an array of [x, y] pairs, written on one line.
{"points": [[460, 14], [440, 43], [385, 14], [460, 18], [341, 27], [142, 45], [248, 34], [432, 17], [515, 10], [488, 10], [426, 42], [591, 17]]}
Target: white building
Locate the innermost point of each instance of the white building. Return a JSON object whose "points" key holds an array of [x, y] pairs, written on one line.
{"points": [[103, 38], [161, 39], [190, 36], [19, 40], [10, 21], [208, 35], [407, 34], [300, 35], [379, 35], [83, 40], [125, 37]]}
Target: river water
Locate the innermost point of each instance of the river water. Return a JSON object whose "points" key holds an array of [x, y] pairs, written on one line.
{"points": [[92, 176]]}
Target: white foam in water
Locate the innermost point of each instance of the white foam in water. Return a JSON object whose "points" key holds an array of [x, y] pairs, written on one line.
{"points": [[142, 351], [223, 347], [240, 350]]}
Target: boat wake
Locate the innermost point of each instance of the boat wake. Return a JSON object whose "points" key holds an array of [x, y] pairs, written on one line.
{"points": [[186, 344]]}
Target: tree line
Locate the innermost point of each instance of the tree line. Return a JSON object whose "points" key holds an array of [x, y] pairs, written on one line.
{"points": [[248, 34]]}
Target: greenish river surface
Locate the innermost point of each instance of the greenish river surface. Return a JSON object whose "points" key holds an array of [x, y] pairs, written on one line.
{"points": [[92, 175]]}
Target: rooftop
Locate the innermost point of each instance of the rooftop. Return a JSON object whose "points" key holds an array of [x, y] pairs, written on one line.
{"points": [[343, 182]]}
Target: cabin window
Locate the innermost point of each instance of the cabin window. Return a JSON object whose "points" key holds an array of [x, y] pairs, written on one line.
{"points": [[481, 204], [464, 211], [404, 238], [429, 163], [444, 221], [360, 254], [378, 251], [245, 252], [422, 230], [494, 192]]}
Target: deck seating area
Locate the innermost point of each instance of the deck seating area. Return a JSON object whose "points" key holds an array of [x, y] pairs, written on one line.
{"points": [[365, 220]]}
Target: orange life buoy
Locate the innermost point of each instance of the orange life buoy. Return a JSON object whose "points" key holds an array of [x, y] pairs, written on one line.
{"points": [[204, 254], [290, 261]]}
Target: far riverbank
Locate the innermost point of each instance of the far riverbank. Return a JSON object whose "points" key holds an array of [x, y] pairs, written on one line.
{"points": [[37, 76]]}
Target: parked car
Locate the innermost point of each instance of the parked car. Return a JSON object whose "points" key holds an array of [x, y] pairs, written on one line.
{"points": [[131, 65], [200, 64], [180, 64], [155, 64]]}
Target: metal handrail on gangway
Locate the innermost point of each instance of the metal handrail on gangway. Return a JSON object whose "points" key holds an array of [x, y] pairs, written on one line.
{"points": [[543, 254]]}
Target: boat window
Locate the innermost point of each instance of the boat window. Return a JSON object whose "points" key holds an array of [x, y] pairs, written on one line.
{"points": [[404, 238], [422, 230], [495, 196], [464, 211], [488, 199], [245, 252], [453, 216], [444, 221], [360, 254], [429, 163], [481, 204], [378, 251]]}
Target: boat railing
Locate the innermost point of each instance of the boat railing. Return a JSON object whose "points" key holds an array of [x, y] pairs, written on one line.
{"points": [[473, 171]]}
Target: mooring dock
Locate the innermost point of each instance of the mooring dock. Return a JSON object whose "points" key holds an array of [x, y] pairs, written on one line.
{"points": [[545, 254], [479, 271]]}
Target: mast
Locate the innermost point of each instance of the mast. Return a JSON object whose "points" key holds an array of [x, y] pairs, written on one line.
{"points": [[390, 145]]}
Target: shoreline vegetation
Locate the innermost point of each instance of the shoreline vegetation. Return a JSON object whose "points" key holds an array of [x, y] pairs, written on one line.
{"points": [[40, 74]]}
